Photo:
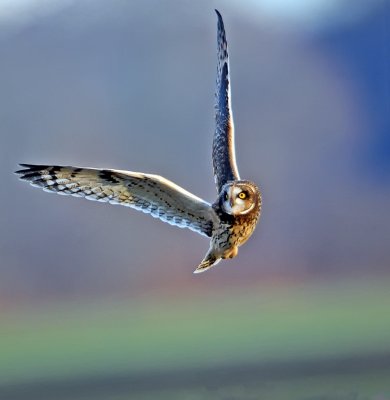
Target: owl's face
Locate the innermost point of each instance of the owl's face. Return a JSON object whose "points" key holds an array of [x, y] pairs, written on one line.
{"points": [[239, 198]]}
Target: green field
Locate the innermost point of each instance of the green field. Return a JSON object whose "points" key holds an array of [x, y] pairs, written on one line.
{"points": [[307, 341]]}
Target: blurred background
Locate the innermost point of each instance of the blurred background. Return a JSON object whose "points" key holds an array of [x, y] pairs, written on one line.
{"points": [[100, 302]]}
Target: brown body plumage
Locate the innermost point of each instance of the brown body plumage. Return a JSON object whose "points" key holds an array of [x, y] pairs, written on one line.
{"points": [[235, 226]]}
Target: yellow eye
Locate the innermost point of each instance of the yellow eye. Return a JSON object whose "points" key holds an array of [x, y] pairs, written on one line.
{"points": [[242, 195]]}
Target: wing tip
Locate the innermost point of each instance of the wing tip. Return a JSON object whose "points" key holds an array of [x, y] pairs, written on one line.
{"points": [[22, 172], [30, 172], [220, 20], [25, 168], [29, 168]]}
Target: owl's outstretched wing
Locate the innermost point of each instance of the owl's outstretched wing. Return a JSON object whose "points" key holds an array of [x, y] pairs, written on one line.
{"points": [[150, 194], [224, 159]]}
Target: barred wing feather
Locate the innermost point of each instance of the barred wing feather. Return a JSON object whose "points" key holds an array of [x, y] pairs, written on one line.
{"points": [[148, 193], [224, 158]]}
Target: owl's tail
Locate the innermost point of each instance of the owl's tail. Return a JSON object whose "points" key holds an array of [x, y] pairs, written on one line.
{"points": [[209, 261]]}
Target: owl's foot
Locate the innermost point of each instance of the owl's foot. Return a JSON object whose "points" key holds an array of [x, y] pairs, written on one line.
{"points": [[230, 253]]}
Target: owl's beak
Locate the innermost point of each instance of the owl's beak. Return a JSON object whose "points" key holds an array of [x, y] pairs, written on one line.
{"points": [[231, 197], [231, 201]]}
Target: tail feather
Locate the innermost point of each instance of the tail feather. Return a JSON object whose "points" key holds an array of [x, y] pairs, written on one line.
{"points": [[209, 261]]}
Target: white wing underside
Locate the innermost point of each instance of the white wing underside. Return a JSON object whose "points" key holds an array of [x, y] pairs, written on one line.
{"points": [[151, 194]]}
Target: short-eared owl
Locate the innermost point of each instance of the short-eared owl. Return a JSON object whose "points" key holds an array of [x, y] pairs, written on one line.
{"points": [[229, 221]]}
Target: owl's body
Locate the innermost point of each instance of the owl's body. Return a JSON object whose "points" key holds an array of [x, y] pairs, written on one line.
{"points": [[229, 221], [232, 230]]}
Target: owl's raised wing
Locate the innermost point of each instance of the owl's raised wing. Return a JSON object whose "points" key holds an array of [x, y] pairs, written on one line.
{"points": [[150, 194], [224, 158]]}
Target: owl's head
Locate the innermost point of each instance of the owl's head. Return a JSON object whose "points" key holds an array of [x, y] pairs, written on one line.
{"points": [[240, 198]]}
